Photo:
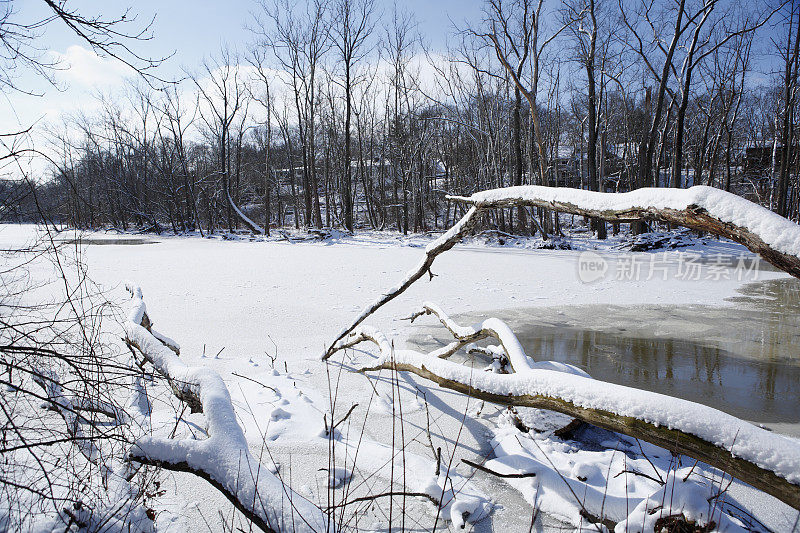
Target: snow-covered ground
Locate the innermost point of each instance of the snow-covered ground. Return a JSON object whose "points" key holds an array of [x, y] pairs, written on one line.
{"points": [[261, 313]]}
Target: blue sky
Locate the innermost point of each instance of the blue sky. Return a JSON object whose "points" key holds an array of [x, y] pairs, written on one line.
{"points": [[190, 29], [195, 29]]}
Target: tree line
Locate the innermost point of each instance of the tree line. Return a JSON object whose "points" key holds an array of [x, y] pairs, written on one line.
{"points": [[337, 114]]}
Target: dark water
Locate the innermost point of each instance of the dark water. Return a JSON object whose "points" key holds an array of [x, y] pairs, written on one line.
{"points": [[744, 359]]}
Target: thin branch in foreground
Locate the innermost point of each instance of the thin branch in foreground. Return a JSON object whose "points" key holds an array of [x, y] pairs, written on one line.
{"points": [[515, 475]]}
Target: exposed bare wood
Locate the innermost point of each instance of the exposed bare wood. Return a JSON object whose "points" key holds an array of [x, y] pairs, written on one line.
{"points": [[259, 522], [183, 391], [669, 439], [515, 475]]}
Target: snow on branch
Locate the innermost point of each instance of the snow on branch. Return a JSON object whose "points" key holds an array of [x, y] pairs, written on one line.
{"points": [[768, 461], [223, 459], [510, 347], [253, 226], [366, 333], [464, 335], [703, 208]]}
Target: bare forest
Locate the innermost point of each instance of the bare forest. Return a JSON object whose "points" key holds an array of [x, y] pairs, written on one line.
{"points": [[338, 114]]}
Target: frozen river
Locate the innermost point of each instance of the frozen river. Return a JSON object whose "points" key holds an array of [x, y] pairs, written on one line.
{"points": [[235, 304], [743, 359]]}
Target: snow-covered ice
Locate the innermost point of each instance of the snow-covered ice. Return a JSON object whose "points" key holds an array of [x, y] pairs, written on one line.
{"points": [[251, 301]]}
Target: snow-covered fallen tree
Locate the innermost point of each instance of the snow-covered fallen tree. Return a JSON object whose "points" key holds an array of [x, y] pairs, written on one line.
{"points": [[768, 234], [251, 225], [223, 459], [702, 208], [765, 460]]}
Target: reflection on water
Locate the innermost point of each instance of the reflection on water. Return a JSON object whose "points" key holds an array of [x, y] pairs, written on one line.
{"points": [[744, 360], [764, 390]]}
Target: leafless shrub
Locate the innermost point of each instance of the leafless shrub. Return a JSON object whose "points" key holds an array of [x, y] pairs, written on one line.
{"points": [[66, 398]]}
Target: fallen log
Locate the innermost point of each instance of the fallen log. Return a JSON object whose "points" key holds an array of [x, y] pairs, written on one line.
{"points": [[224, 458], [773, 237], [769, 462], [252, 226], [701, 208]]}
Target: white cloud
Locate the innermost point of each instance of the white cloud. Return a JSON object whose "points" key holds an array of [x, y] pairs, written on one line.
{"points": [[82, 66]]}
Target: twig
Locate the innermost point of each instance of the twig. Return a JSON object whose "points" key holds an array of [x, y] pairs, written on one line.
{"points": [[273, 389], [349, 412], [637, 473], [517, 475], [372, 497]]}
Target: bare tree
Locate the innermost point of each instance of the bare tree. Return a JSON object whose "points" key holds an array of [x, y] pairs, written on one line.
{"points": [[299, 38], [352, 25], [585, 33], [265, 77], [516, 33], [791, 59], [398, 47], [224, 105]]}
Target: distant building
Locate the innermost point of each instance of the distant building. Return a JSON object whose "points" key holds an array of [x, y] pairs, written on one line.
{"points": [[759, 158], [571, 166]]}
